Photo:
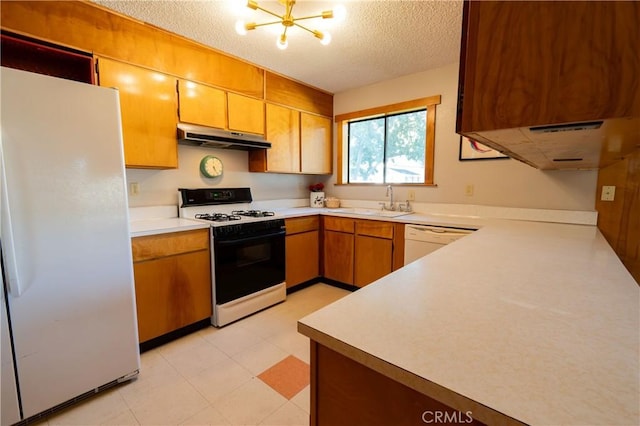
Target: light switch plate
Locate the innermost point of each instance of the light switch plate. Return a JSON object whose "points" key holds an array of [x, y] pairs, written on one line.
{"points": [[608, 193], [468, 190], [134, 188]]}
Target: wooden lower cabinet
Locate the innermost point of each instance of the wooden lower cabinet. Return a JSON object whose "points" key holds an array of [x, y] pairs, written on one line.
{"points": [[302, 245], [172, 281], [358, 252], [338, 256], [373, 259], [345, 392]]}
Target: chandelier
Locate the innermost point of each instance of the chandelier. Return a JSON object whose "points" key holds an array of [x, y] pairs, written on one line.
{"points": [[288, 20]]}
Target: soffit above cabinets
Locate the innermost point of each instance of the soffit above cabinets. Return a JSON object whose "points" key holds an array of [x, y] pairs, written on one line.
{"points": [[581, 146]]}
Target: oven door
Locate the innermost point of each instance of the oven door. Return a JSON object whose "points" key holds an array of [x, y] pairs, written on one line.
{"points": [[243, 266]]}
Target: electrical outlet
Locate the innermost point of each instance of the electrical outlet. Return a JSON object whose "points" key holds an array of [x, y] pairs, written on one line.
{"points": [[608, 193], [468, 190], [134, 188], [411, 195]]}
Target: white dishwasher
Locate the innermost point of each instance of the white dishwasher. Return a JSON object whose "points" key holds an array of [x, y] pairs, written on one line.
{"points": [[420, 240]]}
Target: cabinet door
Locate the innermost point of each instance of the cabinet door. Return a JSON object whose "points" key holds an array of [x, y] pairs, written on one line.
{"points": [[245, 114], [172, 292], [530, 63], [200, 104], [373, 259], [338, 256], [283, 131], [302, 257], [316, 142], [149, 119]]}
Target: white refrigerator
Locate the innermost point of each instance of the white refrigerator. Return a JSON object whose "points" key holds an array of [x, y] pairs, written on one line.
{"points": [[68, 315]]}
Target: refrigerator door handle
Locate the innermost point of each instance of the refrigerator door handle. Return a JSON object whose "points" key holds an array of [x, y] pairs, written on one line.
{"points": [[14, 287]]}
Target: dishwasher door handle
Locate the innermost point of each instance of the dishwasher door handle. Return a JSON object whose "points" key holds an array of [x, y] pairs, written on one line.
{"points": [[432, 230]]}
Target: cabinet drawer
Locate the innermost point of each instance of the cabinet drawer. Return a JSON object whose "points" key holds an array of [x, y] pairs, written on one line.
{"points": [[161, 245], [302, 224], [373, 228], [339, 224]]}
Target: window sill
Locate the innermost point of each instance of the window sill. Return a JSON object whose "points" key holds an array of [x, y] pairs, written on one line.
{"points": [[414, 185]]}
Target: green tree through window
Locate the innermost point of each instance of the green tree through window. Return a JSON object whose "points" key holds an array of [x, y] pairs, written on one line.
{"points": [[388, 149]]}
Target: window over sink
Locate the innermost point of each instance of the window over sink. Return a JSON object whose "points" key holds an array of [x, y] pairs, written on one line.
{"points": [[392, 144]]}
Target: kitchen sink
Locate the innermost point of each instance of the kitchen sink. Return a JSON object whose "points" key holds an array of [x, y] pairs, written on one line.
{"points": [[369, 212]]}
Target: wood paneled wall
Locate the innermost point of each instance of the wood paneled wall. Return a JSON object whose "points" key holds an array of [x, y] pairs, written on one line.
{"points": [[619, 220]]}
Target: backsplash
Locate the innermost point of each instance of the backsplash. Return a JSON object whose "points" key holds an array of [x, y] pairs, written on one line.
{"points": [[160, 187]]}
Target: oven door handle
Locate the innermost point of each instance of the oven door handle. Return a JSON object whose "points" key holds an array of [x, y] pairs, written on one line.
{"points": [[245, 240]]}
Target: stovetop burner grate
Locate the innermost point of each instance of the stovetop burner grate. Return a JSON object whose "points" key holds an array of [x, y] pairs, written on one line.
{"points": [[218, 217], [252, 213]]}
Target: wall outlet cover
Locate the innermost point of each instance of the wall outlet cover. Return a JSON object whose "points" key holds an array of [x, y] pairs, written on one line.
{"points": [[608, 193]]}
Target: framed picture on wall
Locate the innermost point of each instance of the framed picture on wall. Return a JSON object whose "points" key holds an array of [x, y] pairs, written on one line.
{"points": [[473, 150]]}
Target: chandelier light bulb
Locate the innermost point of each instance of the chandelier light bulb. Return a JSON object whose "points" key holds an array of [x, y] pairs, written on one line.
{"points": [[326, 38], [282, 42], [339, 13], [240, 28]]}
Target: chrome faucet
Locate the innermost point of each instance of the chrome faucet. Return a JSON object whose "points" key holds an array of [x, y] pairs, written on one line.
{"points": [[390, 194]]}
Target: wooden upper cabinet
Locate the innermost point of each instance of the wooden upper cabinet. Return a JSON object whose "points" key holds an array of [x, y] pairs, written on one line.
{"points": [[245, 114], [148, 107], [93, 28], [31, 55], [201, 104], [283, 131], [315, 142], [531, 63], [281, 90], [300, 143]]}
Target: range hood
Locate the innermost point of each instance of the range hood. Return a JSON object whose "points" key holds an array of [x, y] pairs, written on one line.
{"points": [[585, 145], [194, 135]]}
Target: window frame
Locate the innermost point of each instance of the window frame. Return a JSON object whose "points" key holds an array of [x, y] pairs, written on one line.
{"points": [[343, 120]]}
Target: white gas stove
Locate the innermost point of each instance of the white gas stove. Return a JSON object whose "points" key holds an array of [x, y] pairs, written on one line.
{"points": [[247, 251]]}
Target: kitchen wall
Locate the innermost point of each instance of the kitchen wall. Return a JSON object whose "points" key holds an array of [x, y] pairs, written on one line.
{"points": [[159, 187], [496, 182], [506, 183]]}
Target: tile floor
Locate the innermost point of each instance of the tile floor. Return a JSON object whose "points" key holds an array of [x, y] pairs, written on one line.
{"points": [[219, 376]]}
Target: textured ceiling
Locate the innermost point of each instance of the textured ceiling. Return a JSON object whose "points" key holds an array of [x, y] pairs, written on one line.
{"points": [[377, 41]]}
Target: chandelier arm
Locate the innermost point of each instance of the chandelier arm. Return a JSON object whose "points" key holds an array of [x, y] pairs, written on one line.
{"points": [[307, 17], [270, 12], [268, 23], [304, 28]]}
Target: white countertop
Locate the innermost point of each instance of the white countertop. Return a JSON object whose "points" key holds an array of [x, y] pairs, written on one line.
{"points": [[140, 228], [163, 219], [537, 322]]}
